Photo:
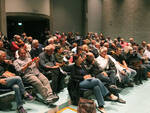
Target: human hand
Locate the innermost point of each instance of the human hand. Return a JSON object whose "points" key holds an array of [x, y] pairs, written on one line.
{"points": [[3, 81], [29, 63], [8, 61], [87, 76], [104, 73]]}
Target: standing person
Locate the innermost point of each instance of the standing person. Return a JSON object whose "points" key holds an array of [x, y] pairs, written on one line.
{"points": [[30, 73], [9, 80]]}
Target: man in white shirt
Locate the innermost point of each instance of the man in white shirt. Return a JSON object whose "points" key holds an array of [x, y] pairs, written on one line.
{"points": [[147, 51]]}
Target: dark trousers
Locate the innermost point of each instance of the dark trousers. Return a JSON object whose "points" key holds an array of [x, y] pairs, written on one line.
{"points": [[108, 80], [57, 80]]}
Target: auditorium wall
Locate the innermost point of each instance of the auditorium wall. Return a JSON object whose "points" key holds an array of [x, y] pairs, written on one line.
{"points": [[28, 6], [126, 18], [67, 15]]}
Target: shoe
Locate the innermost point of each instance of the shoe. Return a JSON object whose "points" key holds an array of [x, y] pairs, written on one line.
{"points": [[114, 88], [52, 99], [141, 82], [137, 82], [130, 84], [28, 97], [121, 101], [21, 110], [113, 97], [101, 109], [55, 97], [49, 100]]}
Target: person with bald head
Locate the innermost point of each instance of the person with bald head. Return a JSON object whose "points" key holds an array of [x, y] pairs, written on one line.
{"points": [[49, 67]]}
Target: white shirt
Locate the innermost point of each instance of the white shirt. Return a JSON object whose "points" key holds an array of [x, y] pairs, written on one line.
{"points": [[103, 63], [147, 53]]}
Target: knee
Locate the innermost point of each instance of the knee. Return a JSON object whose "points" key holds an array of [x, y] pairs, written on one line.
{"points": [[96, 88], [97, 81], [112, 71], [18, 78], [15, 86]]}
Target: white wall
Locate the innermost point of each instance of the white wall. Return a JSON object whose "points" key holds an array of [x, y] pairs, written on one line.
{"points": [[30, 6]]}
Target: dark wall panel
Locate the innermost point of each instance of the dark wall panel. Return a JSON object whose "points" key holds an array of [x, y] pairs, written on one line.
{"points": [[67, 15], [94, 14], [126, 18]]}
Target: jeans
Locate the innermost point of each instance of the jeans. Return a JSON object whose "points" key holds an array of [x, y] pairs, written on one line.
{"points": [[131, 73], [16, 84], [98, 87]]}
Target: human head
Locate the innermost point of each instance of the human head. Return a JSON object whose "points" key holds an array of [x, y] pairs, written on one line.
{"points": [[77, 59], [148, 47], [103, 52], [35, 43], [85, 48], [29, 39], [59, 49], [49, 49], [22, 53], [2, 56], [118, 50], [17, 37], [1, 44], [90, 56]]}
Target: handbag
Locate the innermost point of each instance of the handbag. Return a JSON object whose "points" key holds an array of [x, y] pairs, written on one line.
{"points": [[86, 106]]}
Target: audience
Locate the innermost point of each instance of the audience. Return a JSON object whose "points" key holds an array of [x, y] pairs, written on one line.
{"points": [[98, 60]]}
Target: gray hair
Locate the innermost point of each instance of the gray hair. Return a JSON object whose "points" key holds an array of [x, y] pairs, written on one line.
{"points": [[35, 41], [49, 47]]}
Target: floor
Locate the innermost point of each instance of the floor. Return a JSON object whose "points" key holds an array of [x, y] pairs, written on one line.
{"points": [[137, 99]]}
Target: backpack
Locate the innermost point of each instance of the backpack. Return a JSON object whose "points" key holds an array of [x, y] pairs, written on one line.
{"points": [[86, 106]]}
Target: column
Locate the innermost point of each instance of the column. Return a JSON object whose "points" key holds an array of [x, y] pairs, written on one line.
{"points": [[51, 16], [84, 17], [3, 26]]}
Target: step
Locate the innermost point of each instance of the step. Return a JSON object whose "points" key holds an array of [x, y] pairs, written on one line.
{"points": [[38, 107]]}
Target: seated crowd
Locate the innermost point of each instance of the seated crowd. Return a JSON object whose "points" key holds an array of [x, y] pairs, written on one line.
{"points": [[99, 63]]}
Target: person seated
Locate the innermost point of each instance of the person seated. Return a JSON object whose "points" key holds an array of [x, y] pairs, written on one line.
{"points": [[28, 43], [28, 69], [107, 66], [135, 62], [147, 51], [16, 44], [93, 68], [8, 79], [36, 49], [86, 81], [145, 61], [8, 52], [51, 68], [119, 56]]}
